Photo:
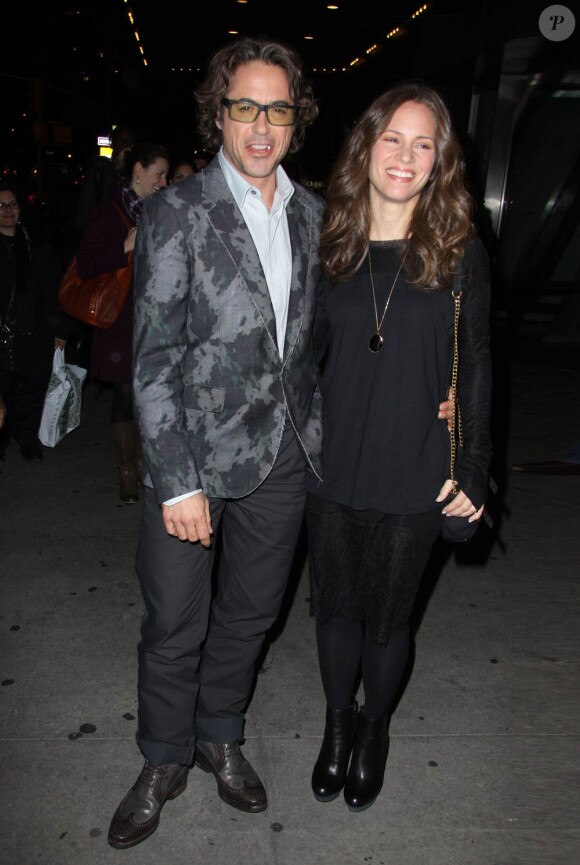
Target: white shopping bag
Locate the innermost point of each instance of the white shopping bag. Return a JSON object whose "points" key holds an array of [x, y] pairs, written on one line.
{"points": [[62, 404]]}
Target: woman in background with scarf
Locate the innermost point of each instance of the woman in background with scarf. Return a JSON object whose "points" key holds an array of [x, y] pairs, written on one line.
{"points": [[105, 246]]}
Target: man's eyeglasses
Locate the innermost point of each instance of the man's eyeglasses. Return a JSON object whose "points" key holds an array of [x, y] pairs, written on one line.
{"points": [[247, 111], [9, 205]]}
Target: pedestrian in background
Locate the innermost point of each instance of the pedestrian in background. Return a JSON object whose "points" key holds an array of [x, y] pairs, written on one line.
{"points": [[106, 243], [181, 169], [103, 175], [31, 323]]}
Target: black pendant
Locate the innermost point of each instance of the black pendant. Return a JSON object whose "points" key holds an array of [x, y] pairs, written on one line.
{"points": [[376, 342]]}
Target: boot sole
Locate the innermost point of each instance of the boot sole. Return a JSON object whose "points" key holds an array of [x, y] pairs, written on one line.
{"points": [[255, 809], [357, 809], [330, 798], [124, 845]]}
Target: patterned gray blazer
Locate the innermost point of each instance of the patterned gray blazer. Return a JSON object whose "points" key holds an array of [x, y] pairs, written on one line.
{"points": [[211, 391]]}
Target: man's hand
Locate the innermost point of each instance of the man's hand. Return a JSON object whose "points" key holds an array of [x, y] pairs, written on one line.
{"points": [[189, 520], [447, 409]]}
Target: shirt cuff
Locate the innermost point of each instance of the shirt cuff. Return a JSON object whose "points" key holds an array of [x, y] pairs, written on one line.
{"points": [[181, 498]]}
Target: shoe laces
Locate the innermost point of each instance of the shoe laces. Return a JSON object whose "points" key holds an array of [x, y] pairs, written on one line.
{"points": [[232, 747]]}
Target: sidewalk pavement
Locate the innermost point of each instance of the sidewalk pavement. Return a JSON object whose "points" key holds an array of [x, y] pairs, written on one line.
{"points": [[483, 767]]}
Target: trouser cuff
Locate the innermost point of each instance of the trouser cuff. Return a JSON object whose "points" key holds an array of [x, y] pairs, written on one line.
{"points": [[159, 753], [220, 730]]}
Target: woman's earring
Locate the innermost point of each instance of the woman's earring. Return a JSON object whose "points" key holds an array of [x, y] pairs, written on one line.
{"points": [[137, 180]]}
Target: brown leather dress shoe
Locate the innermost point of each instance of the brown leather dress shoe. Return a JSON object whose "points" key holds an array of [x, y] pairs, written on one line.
{"points": [[137, 816], [238, 783]]}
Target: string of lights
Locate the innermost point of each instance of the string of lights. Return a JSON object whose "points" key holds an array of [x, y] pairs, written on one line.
{"points": [[377, 46], [131, 17]]}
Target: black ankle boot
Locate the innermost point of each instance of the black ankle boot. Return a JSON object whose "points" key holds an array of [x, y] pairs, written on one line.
{"points": [[367, 766], [329, 771]]}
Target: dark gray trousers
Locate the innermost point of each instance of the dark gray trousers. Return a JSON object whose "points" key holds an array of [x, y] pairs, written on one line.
{"points": [[197, 655]]}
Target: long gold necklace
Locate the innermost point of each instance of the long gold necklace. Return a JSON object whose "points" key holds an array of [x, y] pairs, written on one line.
{"points": [[376, 340]]}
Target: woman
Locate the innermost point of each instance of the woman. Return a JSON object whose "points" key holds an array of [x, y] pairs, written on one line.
{"points": [[397, 229], [181, 169], [105, 246], [31, 325]]}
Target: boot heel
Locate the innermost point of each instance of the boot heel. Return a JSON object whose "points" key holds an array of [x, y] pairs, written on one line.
{"points": [[175, 793]]}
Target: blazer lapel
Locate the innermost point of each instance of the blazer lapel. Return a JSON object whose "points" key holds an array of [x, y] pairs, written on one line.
{"points": [[299, 225], [229, 224]]}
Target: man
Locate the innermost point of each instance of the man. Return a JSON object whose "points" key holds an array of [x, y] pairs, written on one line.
{"points": [[229, 414]]}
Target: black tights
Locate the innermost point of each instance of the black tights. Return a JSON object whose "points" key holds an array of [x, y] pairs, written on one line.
{"points": [[122, 407], [343, 650]]}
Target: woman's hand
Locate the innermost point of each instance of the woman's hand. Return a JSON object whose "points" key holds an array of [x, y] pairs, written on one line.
{"points": [[460, 506], [447, 409], [130, 239]]}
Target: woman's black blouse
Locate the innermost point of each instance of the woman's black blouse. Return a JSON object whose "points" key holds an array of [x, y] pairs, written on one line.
{"points": [[383, 445]]}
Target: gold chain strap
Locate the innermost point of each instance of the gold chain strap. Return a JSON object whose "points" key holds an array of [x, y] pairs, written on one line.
{"points": [[455, 435]]}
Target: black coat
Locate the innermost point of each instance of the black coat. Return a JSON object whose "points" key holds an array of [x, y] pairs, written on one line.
{"points": [[30, 271]]}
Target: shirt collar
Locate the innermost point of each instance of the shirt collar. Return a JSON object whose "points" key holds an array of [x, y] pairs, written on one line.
{"points": [[240, 188]]}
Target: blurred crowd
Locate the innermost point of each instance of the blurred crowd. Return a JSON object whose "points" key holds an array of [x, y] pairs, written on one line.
{"points": [[35, 249]]}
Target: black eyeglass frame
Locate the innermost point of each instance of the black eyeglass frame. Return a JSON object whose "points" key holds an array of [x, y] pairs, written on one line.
{"points": [[9, 205], [227, 103]]}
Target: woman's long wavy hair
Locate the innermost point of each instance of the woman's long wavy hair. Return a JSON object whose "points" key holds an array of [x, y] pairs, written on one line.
{"points": [[441, 221], [224, 63]]}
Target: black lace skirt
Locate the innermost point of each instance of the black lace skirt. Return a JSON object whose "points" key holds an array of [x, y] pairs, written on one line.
{"points": [[366, 566]]}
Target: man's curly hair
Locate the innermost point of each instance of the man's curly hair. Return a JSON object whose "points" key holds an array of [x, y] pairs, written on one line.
{"points": [[223, 65]]}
